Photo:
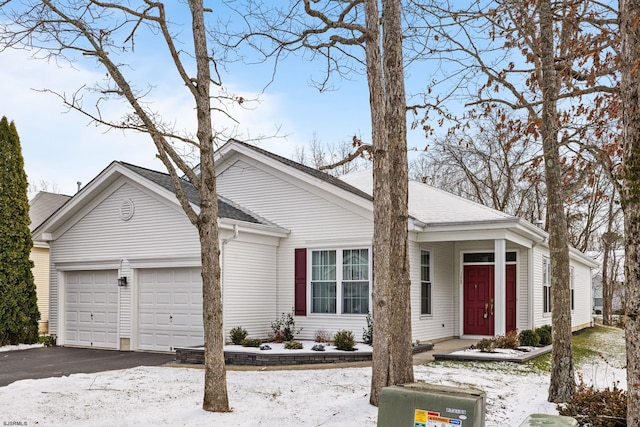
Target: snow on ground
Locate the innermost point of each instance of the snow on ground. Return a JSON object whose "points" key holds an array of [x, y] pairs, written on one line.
{"points": [[172, 396], [278, 348], [498, 353], [19, 347]]}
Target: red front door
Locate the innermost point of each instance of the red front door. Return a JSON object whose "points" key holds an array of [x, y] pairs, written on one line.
{"points": [[479, 299]]}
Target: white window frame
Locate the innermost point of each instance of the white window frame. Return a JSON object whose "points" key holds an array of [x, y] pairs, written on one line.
{"points": [[572, 285], [340, 281], [428, 283], [546, 285]]}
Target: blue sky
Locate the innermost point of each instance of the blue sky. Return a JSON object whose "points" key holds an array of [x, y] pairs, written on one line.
{"points": [[63, 147]]}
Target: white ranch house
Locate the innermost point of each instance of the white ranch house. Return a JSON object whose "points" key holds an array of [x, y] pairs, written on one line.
{"points": [[293, 239]]}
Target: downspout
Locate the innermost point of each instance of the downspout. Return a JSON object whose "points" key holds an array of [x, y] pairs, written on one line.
{"points": [[223, 268]]}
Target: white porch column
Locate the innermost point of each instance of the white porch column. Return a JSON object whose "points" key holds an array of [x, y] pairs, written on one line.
{"points": [[500, 294]]}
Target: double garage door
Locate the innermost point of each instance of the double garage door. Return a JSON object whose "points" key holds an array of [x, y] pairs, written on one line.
{"points": [[169, 308]]}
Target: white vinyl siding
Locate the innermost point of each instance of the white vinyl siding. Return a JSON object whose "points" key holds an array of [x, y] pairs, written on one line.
{"points": [[156, 231], [317, 220], [443, 321], [581, 314], [249, 285]]}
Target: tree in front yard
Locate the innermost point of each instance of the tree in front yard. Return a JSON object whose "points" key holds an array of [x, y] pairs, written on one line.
{"points": [[630, 195], [19, 313]]}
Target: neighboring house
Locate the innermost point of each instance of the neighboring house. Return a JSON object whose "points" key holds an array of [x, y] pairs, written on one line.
{"points": [[41, 207], [293, 239], [618, 271]]}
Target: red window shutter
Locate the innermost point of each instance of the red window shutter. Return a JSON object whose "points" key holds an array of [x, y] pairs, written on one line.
{"points": [[300, 282]]}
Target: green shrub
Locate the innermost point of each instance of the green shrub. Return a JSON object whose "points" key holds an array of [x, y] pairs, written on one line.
{"points": [[545, 335], [546, 328], [47, 340], [293, 345], [343, 340], [487, 345], [529, 338], [510, 340], [597, 408], [367, 333], [283, 329], [238, 334], [251, 342]]}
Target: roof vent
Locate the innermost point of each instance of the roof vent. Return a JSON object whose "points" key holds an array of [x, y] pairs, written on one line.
{"points": [[539, 223], [127, 209]]}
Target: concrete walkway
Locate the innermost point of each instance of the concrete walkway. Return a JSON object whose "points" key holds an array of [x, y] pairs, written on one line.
{"points": [[442, 347]]}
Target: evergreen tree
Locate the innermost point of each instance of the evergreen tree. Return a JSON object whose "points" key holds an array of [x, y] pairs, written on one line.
{"points": [[19, 313]]}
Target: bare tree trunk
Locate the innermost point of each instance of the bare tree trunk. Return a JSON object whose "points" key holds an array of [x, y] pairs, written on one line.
{"points": [[215, 383], [562, 384], [392, 355], [608, 265], [629, 89], [606, 300]]}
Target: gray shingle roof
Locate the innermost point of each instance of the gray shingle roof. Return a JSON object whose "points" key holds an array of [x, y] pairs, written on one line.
{"points": [[308, 170], [226, 208], [43, 205]]}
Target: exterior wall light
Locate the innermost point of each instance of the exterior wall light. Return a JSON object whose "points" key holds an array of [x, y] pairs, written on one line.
{"points": [[122, 281]]}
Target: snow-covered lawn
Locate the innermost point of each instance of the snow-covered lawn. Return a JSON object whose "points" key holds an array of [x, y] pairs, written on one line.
{"points": [[319, 397]]}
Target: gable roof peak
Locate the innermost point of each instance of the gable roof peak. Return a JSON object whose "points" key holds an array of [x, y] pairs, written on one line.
{"points": [[315, 173]]}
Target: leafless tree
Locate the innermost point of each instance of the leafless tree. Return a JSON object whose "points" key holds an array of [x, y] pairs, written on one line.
{"points": [[534, 60], [319, 155], [108, 34], [43, 185], [487, 164], [630, 195], [352, 37]]}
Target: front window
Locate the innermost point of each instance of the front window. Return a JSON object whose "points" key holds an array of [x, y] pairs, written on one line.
{"points": [[546, 285], [425, 282], [340, 281], [323, 282], [355, 281]]}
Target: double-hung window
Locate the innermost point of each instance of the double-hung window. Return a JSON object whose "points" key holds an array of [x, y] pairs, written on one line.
{"points": [[572, 282], [323, 281], [425, 283], [546, 285], [340, 281]]}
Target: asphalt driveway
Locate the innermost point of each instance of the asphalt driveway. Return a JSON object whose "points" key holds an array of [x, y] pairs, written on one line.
{"points": [[48, 362]]}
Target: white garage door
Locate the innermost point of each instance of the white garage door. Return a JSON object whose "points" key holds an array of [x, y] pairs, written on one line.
{"points": [[170, 308], [91, 308]]}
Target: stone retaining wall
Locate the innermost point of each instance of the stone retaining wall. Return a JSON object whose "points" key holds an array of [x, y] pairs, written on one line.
{"points": [[195, 355]]}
